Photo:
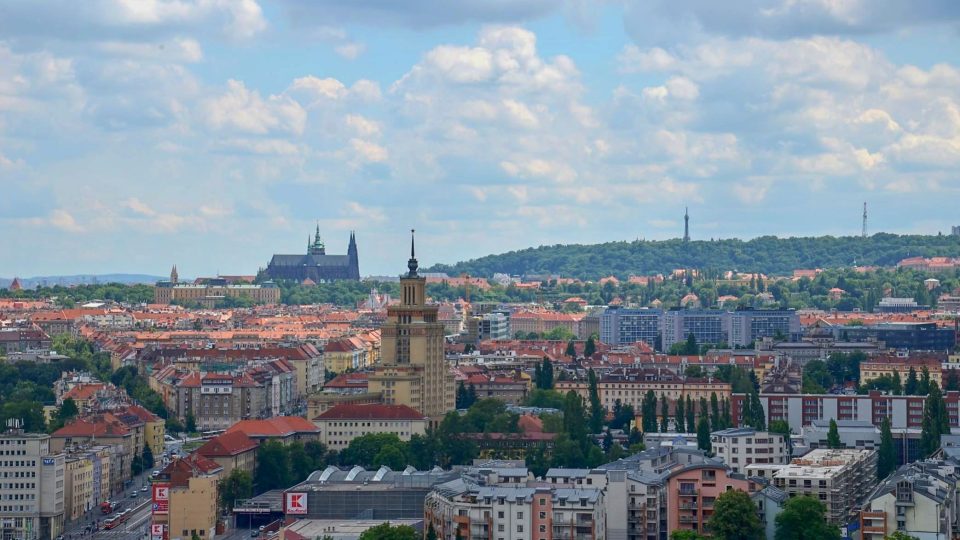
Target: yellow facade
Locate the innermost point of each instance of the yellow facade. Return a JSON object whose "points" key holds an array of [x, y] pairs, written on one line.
{"points": [[193, 508], [413, 370], [153, 433], [211, 293], [78, 487], [874, 370]]}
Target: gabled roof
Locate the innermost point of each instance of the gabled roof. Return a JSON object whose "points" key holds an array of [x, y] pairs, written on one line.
{"points": [[227, 444], [83, 392], [370, 412], [278, 426]]}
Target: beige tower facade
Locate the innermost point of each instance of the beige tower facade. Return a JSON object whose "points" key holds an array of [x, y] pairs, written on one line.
{"points": [[412, 369]]}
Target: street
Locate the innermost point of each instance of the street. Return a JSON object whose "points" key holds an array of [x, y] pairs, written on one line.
{"points": [[137, 524]]}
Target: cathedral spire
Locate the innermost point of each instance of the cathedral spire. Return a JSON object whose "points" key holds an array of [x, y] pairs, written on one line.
{"points": [[412, 263], [174, 277], [686, 224]]}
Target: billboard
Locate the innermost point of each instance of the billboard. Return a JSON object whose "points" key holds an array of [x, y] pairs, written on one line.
{"points": [[295, 504], [161, 498], [157, 530]]}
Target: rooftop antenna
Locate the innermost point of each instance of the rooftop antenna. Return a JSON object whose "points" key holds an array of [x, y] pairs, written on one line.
{"points": [[863, 233]]}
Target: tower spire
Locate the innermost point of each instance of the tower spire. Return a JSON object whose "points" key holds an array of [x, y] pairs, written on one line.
{"points": [[686, 224], [412, 263], [863, 232]]}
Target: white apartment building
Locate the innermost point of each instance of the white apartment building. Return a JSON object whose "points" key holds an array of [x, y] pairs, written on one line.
{"points": [[920, 499], [31, 487], [739, 447], [840, 479]]}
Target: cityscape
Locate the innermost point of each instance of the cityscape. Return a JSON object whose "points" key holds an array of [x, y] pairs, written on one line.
{"points": [[574, 270]]}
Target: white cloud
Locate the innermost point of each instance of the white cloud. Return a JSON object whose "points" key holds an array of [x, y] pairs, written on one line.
{"points": [[351, 50], [368, 152], [539, 168], [64, 221], [245, 111], [363, 126]]}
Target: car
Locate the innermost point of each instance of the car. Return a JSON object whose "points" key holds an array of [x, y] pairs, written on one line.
{"points": [[133, 494], [254, 533], [144, 489], [155, 473]]}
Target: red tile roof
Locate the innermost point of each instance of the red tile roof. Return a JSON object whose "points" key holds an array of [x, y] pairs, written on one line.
{"points": [[278, 426], [228, 444], [371, 412], [93, 427], [83, 392]]}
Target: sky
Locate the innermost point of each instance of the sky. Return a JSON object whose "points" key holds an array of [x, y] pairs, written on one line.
{"points": [[210, 134]]}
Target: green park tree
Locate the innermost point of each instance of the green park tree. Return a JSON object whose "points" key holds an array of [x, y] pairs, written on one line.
{"points": [[833, 435], [887, 453], [804, 518], [703, 435], [735, 517]]}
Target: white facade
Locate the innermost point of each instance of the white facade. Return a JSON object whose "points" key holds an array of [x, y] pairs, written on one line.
{"points": [[31, 487], [739, 447]]}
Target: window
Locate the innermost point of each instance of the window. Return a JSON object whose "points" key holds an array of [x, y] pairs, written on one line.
{"points": [[543, 515], [519, 515], [520, 528]]}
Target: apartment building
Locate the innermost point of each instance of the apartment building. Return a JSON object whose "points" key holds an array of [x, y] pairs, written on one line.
{"points": [[692, 491], [78, 487], [882, 365], [739, 447], [630, 387], [185, 497], [344, 354], [466, 510], [840, 479], [801, 410], [920, 499], [32, 478], [217, 400], [343, 423], [510, 388], [306, 360], [123, 433]]}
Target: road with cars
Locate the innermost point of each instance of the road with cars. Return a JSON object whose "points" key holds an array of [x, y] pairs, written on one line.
{"points": [[135, 499]]}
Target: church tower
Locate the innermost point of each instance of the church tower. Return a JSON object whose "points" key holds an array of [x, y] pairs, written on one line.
{"points": [[413, 370], [686, 225], [353, 258], [174, 277]]}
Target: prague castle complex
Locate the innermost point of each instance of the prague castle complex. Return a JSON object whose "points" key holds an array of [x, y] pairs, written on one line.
{"points": [[316, 265], [413, 370]]}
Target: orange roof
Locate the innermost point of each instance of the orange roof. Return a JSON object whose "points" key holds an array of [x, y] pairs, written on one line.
{"points": [[278, 426], [83, 392], [227, 444], [94, 427]]}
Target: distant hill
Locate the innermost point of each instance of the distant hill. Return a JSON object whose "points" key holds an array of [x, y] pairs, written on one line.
{"points": [[84, 279], [767, 254]]}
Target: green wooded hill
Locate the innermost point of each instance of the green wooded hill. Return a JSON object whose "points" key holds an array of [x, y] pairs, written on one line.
{"points": [[767, 254]]}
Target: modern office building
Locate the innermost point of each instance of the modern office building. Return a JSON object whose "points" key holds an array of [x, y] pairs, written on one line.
{"points": [[623, 326], [924, 336], [31, 487], [747, 326], [706, 325]]}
